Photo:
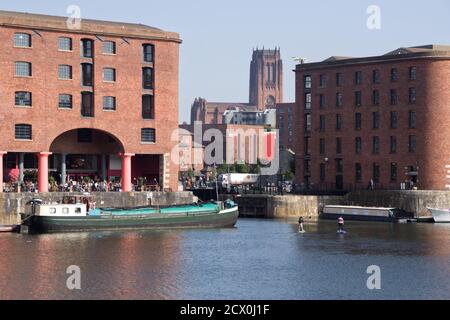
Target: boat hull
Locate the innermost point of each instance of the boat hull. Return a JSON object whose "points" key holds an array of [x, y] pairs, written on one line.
{"points": [[335, 216], [440, 215], [41, 224]]}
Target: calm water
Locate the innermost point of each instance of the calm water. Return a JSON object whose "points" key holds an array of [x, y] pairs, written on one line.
{"points": [[259, 259]]}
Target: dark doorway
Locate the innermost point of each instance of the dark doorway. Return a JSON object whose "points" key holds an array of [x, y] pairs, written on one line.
{"points": [[339, 182]]}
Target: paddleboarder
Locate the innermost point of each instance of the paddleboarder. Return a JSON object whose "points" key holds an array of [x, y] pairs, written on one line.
{"points": [[341, 224], [300, 225]]}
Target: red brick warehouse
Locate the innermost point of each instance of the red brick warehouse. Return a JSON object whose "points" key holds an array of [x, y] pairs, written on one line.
{"points": [[385, 118], [101, 100]]}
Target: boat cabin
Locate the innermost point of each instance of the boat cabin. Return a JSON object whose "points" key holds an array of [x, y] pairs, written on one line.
{"points": [[69, 206]]}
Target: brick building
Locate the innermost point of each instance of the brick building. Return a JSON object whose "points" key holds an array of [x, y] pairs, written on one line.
{"points": [[385, 118], [100, 100]]}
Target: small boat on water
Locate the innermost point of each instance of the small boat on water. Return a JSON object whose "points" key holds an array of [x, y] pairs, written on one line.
{"points": [[78, 213], [363, 213], [8, 228], [440, 215]]}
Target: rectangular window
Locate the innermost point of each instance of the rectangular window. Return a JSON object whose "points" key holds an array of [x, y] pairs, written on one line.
{"points": [[87, 104], [358, 145], [148, 50], [358, 98], [358, 121], [22, 40], [308, 101], [338, 145], [322, 101], [376, 76], [148, 107], [65, 44], [412, 95], [412, 144], [65, 101], [376, 172], [376, 145], [109, 47], [84, 135], [308, 82], [148, 135], [376, 97], [64, 72], [322, 124], [322, 172], [394, 97], [109, 103], [23, 132], [109, 74], [307, 167], [87, 48], [394, 119], [412, 73], [147, 78], [375, 120], [358, 77], [393, 144], [307, 148], [338, 122], [23, 99], [394, 74], [339, 79], [339, 166], [358, 172], [322, 146], [412, 119], [23, 69], [307, 122], [339, 99], [86, 74], [322, 80], [393, 172]]}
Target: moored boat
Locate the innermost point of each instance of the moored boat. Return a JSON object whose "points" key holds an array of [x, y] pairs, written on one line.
{"points": [[363, 213], [78, 213], [440, 215], [9, 228]]}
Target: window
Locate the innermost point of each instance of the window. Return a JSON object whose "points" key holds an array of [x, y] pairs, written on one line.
{"points": [[308, 81], [148, 50], [338, 145], [147, 78], [412, 73], [393, 172], [412, 119], [84, 135], [148, 107], [308, 98], [322, 124], [394, 74], [358, 77], [394, 119], [109, 74], [307, 147], [376, 172], [87, 48], [358, 145], [322, 80], [322, 101], [322, 146], [376, 145], [148, 135], [376, 76], [307, 122], [376, 97], [109, 103], [65, 101], [87, 104], [375, 120], [23, 98], [358, 172], [339, 166], [86, 74], [322, 172], [65, 44], [23, 132], [64, 72], [338, 122], [339, 99], [109, 47], [307, 167], [358, 121], [23, 69], [412, 144], [393, 144], [358, 98], [394, 97], [22, 40], [339, 79], [412, 95]]}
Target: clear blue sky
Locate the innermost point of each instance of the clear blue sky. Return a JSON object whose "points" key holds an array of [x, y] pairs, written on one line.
{"points": [[219, 35]]}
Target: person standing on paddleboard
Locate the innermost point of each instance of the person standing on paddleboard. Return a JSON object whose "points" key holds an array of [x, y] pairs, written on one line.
{"points": [[300, 224], [341, 224]]}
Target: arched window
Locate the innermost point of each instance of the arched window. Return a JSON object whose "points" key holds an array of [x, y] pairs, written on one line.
{"points": [[148, 52], [148, 107], [87, 48], [22, 40], [147, 78]]}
